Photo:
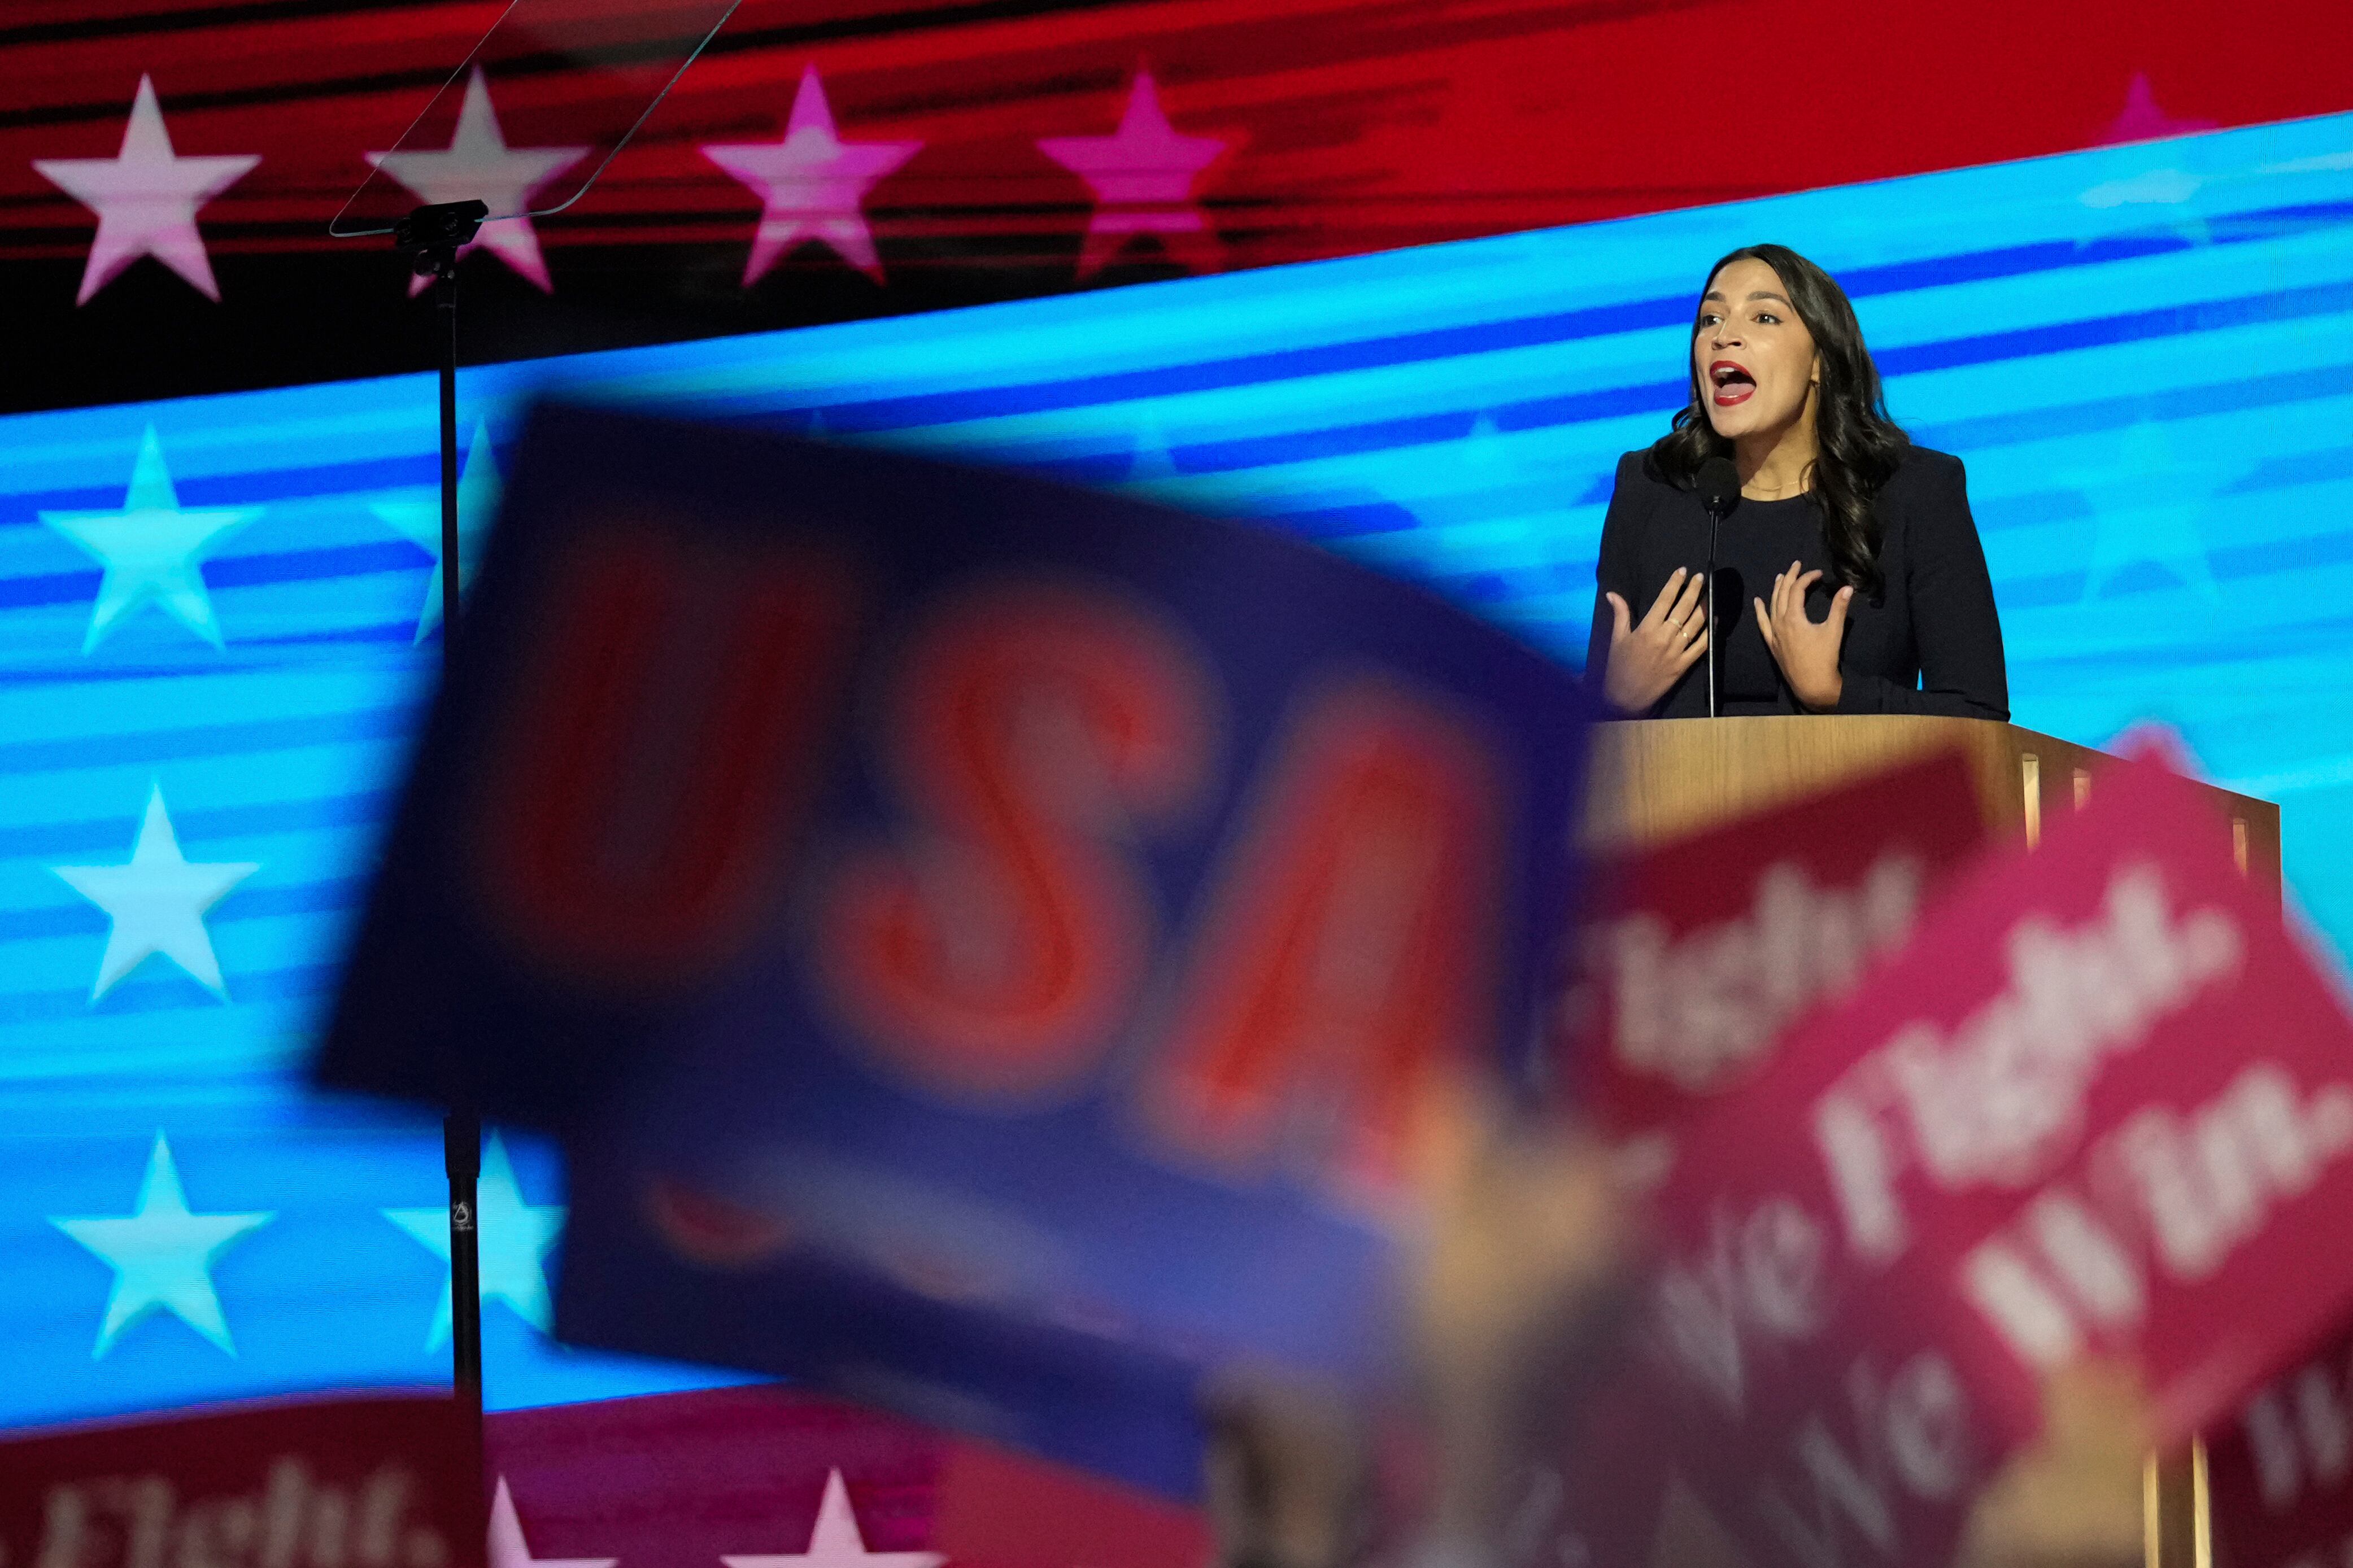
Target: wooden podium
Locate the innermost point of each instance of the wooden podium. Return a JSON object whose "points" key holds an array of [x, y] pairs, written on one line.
{"points": [[1659, 778]]}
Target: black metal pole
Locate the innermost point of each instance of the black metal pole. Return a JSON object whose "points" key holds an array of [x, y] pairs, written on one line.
{"points": [[445, 301], [1715, 527], [436, 250], [461, 1156], [461, 1130]]}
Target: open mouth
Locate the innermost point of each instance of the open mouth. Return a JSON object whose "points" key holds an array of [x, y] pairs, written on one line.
{"points": [[1732, 382]]}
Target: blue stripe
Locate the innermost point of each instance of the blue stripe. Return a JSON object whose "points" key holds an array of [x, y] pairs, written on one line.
{"points": [[245, 901], [1646, 397], [241, 487], [888, 414], [257, 570], [111, 835], [2135, 326], [2007, 427], [159, 991], [186, 742]]}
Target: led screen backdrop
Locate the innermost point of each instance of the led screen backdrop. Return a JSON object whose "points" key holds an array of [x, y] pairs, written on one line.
{"points": [[216, 625]]}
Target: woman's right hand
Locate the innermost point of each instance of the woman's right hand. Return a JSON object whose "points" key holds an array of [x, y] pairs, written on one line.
{"points": [[1647, 658]]}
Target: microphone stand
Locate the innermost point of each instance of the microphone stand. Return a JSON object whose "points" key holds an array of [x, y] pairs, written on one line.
{"points": [[1715, 526], [431, 237]]}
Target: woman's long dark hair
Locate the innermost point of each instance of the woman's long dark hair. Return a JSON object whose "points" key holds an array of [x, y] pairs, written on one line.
{"points": [[1858, 446]]}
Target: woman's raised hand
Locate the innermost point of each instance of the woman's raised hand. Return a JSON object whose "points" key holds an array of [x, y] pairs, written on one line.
{"points": [[1647, 658], [1806, 649]]}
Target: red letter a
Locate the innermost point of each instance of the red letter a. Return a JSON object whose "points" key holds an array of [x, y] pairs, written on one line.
{"points": [[1346, 952]]}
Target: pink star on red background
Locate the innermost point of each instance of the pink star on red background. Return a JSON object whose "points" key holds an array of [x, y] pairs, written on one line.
{"points": [[835, 1541], [146, 198], [478, 165], [507, 1549], [1142, 176], [812, 183], [2143, 121]]}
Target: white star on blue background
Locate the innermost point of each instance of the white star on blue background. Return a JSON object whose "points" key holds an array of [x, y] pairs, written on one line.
{"points": [[514, 1238], [1152, 462], [419, 522], [2147, 503], [151, 549], [157, 901], [162, 1256], [2159, 196]]}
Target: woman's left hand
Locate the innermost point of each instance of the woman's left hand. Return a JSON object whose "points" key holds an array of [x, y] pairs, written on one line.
{"points": [[1806, 649]]}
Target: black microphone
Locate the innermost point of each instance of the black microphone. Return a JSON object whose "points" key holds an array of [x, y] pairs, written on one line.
{"points": [[1719, 491]]}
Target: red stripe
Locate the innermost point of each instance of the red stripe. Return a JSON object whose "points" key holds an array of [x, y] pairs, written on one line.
{"points": [[1359, 125], [679, 1479]]}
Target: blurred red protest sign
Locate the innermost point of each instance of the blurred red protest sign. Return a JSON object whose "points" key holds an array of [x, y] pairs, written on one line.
{"points": [[2100, 1107], [379, 1481], [2281, 1474], [1700, 954], [1703, 949]]}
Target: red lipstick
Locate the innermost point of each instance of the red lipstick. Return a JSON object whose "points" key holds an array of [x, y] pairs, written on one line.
{"points": [[1732, 382]]}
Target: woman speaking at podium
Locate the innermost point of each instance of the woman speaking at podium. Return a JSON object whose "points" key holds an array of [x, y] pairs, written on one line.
{"points": [[1848, 574]]}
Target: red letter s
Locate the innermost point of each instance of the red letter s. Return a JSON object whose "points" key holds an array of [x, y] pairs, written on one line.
{"points": [[998, 950]]}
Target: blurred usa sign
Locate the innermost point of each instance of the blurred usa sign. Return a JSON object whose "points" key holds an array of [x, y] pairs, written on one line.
{"points": [[981, 939]]}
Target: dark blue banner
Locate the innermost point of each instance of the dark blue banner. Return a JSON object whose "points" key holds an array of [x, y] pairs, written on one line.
{"points": [[984, 940]]}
